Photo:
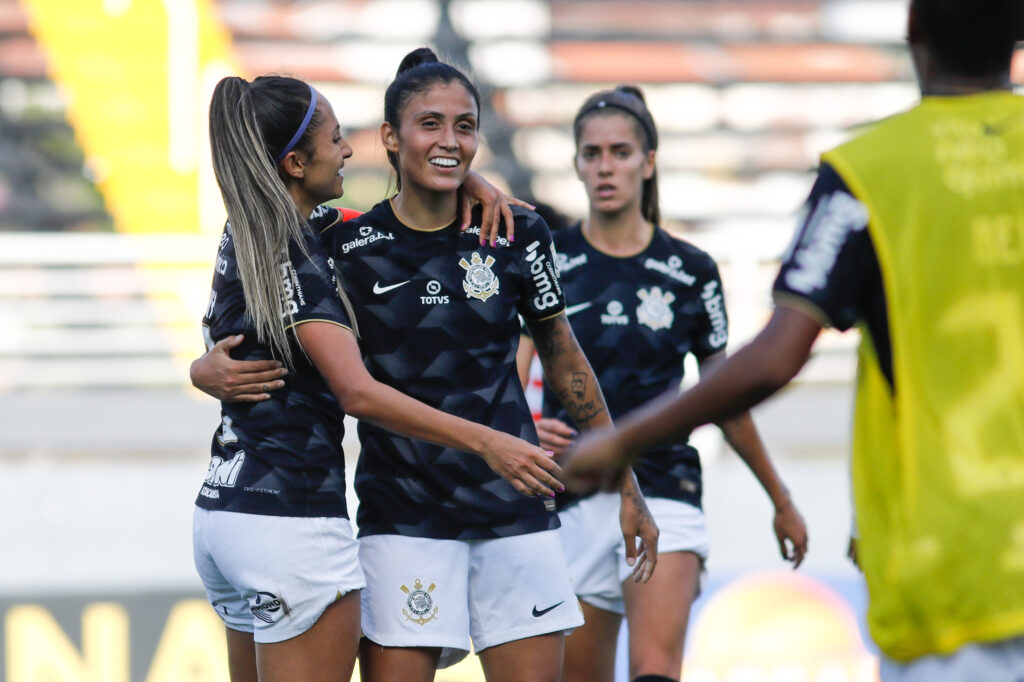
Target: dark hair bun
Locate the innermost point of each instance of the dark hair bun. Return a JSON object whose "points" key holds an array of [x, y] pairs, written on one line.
{"points": [[421, 55], [632, 90]]}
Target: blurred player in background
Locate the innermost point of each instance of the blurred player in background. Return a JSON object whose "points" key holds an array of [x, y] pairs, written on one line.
{"points": [[640, 300], [915, 231], [290, 600]]}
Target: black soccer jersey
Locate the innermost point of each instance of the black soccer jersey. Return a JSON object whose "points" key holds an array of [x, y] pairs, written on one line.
{"points": [[636, 319], [282, 456], [438, 320], [831, 269]]}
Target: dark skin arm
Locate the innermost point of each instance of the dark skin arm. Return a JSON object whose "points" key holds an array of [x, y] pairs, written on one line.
{"points": [[757, 371], [573, 380]]}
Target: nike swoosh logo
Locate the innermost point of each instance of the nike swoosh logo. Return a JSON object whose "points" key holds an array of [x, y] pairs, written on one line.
{"points": [[537, 613], [573, 309], [378, 289]]}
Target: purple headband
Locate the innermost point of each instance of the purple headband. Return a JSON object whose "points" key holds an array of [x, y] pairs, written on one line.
{"points": [[302, 128]]}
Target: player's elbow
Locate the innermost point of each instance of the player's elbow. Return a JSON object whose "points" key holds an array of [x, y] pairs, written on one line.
{"points": [[358, 399]]}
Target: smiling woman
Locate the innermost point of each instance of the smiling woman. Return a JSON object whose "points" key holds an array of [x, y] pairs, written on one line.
{"points": [[442, 537]]}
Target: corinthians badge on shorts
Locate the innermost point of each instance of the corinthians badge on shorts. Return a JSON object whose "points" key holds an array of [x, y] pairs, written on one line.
{"points": [[480, 281], [655, 311], [420, 603]]}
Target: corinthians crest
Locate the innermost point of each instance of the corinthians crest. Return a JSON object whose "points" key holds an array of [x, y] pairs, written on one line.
{"points": [[420, 603], [480, 281], [655, 309]]}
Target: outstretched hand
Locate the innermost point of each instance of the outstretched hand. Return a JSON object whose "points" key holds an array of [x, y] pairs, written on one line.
{"points": [[217, 374], [531, 471]]}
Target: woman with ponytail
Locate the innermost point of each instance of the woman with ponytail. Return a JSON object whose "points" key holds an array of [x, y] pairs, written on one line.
{"points": [[272, 541], [630, 284]]}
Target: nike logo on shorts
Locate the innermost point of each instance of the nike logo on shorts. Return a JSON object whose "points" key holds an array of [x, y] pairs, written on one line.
{"points": [[537, 613], [573, 309], [378, 289]]}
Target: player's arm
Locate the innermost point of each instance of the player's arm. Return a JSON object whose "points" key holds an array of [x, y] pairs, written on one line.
{"points": [[335, 352], [757, 371], [524, 358], [568, 372], [555, 435], [741, 434]]}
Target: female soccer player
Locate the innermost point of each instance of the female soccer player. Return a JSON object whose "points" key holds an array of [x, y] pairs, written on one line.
{"points": [[451, 552], [272, 540], [640, 300]]}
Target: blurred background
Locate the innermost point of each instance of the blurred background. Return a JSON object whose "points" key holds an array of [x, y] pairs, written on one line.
{"points": [[109, 219]]}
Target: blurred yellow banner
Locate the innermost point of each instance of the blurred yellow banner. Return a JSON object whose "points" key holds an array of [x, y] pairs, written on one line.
{"points": [[137, 76]]}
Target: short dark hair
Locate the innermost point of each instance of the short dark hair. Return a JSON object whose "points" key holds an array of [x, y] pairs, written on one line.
{"points": [[418, 72], [970, 37]]}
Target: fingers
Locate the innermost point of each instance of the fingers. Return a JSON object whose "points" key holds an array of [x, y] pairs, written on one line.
{"points": [[799, 551], [486, 224], [520, 202], [260, 372], [465, 210], [227, 343], [557, 427], [263, 389], [640, 567], [510, 229]]}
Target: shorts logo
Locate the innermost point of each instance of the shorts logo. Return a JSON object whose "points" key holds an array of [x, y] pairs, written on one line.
{"points": [[655, 311], [420, 603], [268, 607], [480, 282]]}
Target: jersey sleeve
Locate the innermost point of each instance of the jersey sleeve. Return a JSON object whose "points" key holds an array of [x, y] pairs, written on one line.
{"points": [[712, 328], [541, 295], [311, 288], [830, 266]]}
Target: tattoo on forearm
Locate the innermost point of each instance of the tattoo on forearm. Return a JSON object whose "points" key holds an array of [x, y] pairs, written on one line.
{"points": [[580, 411], [579, 384]]}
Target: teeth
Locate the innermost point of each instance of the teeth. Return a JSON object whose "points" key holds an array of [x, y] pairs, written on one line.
{"points": [[341, 173], [447, 163]]}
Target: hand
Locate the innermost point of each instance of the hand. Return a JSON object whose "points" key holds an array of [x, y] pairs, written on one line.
{"points": [[530, 470], [555, 436], [638, 524], [595, 462], [495, 204], [791, 533], [228, 380]]}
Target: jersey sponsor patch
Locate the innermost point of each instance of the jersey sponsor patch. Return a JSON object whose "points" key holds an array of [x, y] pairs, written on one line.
{"points": [[673, 267], [545, 280], [715, 308], [613, 314], [827, 228]]}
